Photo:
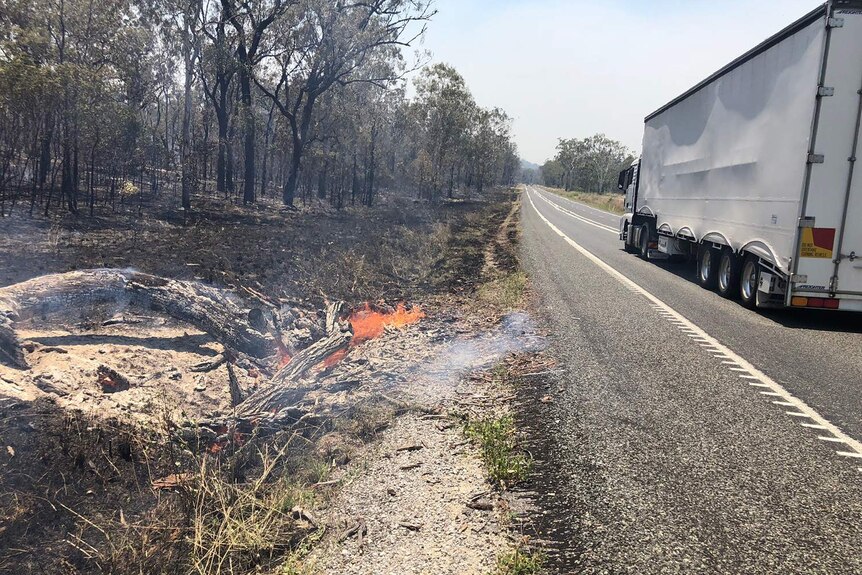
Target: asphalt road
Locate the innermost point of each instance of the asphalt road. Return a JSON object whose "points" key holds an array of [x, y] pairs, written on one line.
{"points": [[685, 434]]}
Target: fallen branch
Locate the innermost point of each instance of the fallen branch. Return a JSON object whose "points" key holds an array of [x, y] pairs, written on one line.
{"points": [[216, 312], [282, 389]]}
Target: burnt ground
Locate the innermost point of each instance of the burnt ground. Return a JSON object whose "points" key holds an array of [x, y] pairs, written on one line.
{"points": [[76, 487], [402, 249]]}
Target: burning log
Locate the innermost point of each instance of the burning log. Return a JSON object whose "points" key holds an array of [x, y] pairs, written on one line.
{"points": [[281, 391], [216, 312]]}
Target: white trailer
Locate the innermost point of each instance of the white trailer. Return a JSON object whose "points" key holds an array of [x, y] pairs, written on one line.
{"points": [[753, 172]]}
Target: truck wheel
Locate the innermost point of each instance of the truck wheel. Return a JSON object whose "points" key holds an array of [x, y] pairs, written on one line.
{"points": [[627, 246], [644, 242], [707, 267], [728, 274], [749, 280]]}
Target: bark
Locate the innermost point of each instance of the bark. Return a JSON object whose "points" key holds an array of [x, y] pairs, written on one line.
{"points": [[283, 391], [249, 128], [216, 312]]}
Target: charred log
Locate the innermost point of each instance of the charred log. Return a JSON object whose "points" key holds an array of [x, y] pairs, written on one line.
{"points": [[283, 389], [216, 312]]}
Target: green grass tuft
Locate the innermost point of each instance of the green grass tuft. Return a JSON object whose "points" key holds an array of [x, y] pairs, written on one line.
{"points": [[496, 439], [519, 562]]}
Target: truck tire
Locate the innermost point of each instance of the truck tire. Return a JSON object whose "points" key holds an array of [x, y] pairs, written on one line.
{"points": [[643, 246], [749, 280], [627, 246], [728, 274], [707, 267]]}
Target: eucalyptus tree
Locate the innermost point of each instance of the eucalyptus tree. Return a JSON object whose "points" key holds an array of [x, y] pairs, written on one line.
{"points": [[217, 70], [445, 111], [251, 20], [324, 44]]}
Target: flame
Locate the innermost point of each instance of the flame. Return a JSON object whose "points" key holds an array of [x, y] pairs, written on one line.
{"points": [[284, 355], [219, 444], [333, 359], [368, 324]]}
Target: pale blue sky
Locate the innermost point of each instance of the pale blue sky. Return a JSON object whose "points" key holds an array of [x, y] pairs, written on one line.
{"points": [[572, 68]]}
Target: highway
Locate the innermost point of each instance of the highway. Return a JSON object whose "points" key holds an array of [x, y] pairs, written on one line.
{"points": [[685, 433]]}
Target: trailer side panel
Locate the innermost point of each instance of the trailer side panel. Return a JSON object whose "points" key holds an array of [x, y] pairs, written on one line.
{"points": [[727, 163]]}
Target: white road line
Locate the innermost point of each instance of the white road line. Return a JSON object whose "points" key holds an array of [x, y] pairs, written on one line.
{"points": [[726, 353], [578, 217], [579, 204], [813, 426], [849, 454], [830, 439]]}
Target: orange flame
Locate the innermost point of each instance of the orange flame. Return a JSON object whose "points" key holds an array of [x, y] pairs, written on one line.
{"points": [[334, 359], [284, 355], [368, 324]]}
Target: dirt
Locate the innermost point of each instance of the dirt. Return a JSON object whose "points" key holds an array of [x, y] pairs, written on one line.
{"points": [[419, 460], [76, 476]]}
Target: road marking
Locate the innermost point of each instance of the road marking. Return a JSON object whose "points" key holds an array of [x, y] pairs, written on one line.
{"points": [[726, 353], [784, 404], [813, 426], [852, 454], [830, 439], [577, 217], [580, 205], [770, 394]]}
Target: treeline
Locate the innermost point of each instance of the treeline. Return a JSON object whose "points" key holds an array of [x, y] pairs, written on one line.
{"points": [[592, 164], [102, 102]]}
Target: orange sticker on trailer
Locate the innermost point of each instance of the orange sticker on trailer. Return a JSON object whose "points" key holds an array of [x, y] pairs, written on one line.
{"points": [[817, 243]]}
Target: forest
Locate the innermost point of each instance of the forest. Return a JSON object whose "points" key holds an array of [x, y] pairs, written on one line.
{"points": [[106, 104], [589, 164]]}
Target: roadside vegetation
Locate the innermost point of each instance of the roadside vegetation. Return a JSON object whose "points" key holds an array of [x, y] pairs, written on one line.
{"points": [[612, 202], [108, 108], [496, 438], [520, 561]]}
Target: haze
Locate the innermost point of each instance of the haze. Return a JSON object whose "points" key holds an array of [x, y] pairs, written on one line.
{"points": [[574, 68]]}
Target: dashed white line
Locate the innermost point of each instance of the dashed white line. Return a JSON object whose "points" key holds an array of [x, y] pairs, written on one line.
{"points": [[830, 439], [576, 216], [803, 410], [852, 454]]}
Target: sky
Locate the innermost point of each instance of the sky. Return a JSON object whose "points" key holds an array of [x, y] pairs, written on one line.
{"points": [[574, 68]]}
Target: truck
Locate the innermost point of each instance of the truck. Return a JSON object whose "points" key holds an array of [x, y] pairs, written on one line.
{"points": [[752, 173]]}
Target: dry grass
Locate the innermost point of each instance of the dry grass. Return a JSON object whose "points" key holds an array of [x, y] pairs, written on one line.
{"points": [[504, 294], [613, 203], [237, 527]]}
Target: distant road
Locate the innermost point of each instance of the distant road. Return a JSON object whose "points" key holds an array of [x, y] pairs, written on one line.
{"points": [[688, 434]]}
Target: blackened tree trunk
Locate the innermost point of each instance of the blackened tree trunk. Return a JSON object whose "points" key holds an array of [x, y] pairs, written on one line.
{"points": [[248, 195]]}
